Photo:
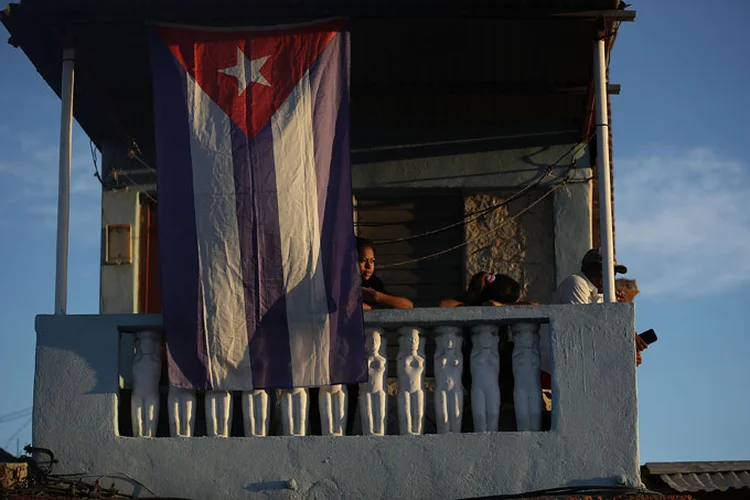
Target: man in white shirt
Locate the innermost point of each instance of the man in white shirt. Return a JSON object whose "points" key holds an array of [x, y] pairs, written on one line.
{"points": [[585, 287]]}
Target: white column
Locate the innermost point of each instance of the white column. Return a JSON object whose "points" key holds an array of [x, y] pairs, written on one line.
{"points": [[255, 413], [605, 181], [144, 401], [294, 408], [218, 413], [449, 366], [181, 403], [527, 393], [411, 365], [485, 373], [332, 406], [63, 188], [373, 394]]}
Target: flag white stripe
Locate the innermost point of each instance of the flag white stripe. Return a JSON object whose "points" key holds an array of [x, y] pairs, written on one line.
{"points": [[306, 302], [218, 242]]}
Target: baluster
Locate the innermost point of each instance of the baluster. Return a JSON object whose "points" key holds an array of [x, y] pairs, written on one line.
{"points": [[332, 405], [527, 396], [485, 371], [449, 366], [373, 394], [218, 413], [411, 365], [255, 413], [144, 402], [181, 403], [294, 404]]}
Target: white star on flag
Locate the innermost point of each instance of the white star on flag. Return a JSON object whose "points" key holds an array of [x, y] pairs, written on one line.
{"points": [[246, 71]]}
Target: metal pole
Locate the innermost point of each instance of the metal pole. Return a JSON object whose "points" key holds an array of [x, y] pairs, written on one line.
{"points": [[605, 182], [63, 194]]}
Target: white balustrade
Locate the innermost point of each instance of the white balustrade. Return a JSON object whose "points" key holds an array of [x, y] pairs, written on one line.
{"points": [[218, 413], [144, 402], [294, 408], [332, 400], [255, 413], [181, 403], [411, 368], [527, 393], [373, 394], [449, 393], [373, 400], [485, 371]]}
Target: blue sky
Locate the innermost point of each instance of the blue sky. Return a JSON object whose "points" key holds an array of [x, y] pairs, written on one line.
{"points": [[683, 229]]}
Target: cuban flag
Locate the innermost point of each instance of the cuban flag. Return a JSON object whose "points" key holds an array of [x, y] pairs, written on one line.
{"points": [[259, 267]]}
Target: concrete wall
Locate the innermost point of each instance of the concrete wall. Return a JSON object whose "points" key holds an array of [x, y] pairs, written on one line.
{"points": [[593, 438], [513, 240], [542, 247], [119, 282]]}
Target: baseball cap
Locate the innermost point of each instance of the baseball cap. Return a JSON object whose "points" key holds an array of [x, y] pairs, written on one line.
{"points": [[594, 256]]}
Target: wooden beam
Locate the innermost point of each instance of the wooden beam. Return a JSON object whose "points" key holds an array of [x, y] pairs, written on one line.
{"points": [[476, 88]]}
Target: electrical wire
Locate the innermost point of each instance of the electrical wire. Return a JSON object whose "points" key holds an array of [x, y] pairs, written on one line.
{"points": [[466, 242], [15, 415], [97, 174], [18, 432], [477, 214], [618, 491], [138, 187]]}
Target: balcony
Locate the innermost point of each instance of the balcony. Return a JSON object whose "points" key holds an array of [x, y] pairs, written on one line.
{"points": [[84, 381]]}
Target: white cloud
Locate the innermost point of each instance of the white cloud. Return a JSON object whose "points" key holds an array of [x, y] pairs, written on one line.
{"points": [[682, 222], [28, 182]]}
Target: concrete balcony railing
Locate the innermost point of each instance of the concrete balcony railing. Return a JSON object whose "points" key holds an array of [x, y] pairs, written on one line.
{"points": [[99, 393]]}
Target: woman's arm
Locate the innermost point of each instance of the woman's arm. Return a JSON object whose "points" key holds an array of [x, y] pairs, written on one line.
{"points": [[450, 303], [383, 299], [393, 301]]}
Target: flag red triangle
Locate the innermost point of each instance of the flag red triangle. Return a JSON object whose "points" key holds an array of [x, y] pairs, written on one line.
{"points": [[249, 73]]}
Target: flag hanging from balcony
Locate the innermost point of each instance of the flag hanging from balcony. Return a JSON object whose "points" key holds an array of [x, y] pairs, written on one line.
{"points": [[258, 261]]}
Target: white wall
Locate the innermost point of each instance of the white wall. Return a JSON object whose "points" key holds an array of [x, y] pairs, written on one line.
{"points": [[593, 438]]}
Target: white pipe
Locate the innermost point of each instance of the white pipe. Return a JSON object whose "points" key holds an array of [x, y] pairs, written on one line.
{"points": [[63, 193], [605, 182]]}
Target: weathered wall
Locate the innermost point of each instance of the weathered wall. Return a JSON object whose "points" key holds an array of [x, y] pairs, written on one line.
{"points": [[513, 240], [593, 438], [119, 282]]}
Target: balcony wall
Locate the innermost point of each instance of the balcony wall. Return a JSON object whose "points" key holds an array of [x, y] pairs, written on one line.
{"points": [[593, 437]]}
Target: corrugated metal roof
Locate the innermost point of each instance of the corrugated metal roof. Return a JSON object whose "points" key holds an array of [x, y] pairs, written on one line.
{"points": [[693, 477], [721, 481]]}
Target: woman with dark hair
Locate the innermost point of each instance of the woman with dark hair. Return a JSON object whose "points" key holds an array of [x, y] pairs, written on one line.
{"points": [[488, 290], [373, 289]]}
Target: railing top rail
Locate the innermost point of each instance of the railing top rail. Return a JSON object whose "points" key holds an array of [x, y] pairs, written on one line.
{"points": [[470, 316], [460, 316]]}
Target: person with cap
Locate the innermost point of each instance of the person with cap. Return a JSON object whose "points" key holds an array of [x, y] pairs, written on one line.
{"points": [[587, 286]]}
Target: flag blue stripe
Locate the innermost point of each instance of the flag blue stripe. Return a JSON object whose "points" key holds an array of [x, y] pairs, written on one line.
{"points": [[182, 300], [265, 299], [329, 82]]}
